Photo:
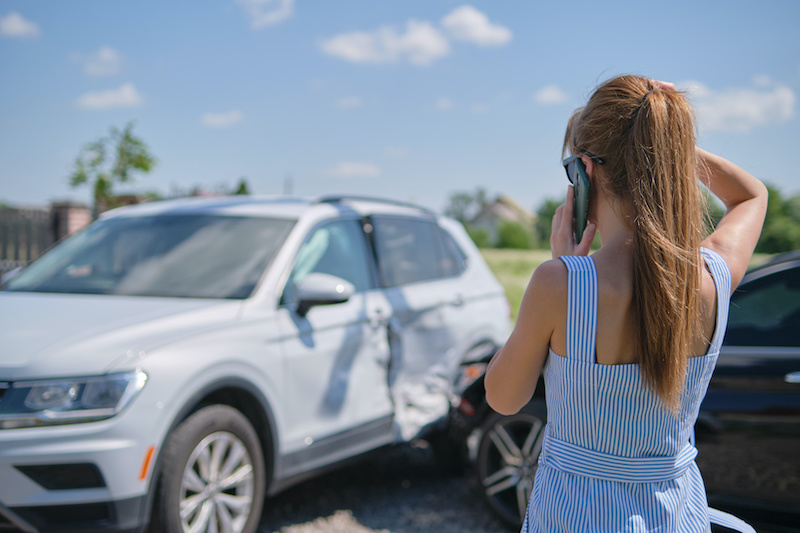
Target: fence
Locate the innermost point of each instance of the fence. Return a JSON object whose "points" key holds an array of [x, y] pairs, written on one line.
{"points": [[26, 233]]}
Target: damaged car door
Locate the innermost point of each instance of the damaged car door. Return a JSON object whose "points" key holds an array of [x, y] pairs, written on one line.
{"points": [[421, 334]]}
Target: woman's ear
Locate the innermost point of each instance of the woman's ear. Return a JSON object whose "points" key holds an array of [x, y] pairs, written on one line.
{"points": [[589, 163]]}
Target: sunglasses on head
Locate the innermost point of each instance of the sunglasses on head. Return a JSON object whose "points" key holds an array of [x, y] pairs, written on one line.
{"points": [[571, 164]]}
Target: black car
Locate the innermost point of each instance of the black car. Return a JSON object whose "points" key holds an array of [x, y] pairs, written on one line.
{"points": [[748, 431]]}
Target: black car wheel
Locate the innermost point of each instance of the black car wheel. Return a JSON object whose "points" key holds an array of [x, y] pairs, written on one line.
{"points": [[508, 455], [212, 479]]}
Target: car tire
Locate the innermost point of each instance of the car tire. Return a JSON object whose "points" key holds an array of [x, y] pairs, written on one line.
{"points": [[508, 455], [212, 476]]}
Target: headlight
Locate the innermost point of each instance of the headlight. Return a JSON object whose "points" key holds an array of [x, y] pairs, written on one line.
{"points": [[67, 400]]}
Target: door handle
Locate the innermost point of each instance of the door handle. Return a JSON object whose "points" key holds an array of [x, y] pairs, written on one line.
{"points": [[458, 301], [792, 377]]}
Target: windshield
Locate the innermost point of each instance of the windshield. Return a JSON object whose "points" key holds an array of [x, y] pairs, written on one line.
{"points": [[189, 256]]}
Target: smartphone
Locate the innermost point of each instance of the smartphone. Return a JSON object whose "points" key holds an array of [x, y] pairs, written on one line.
{"points": [[580, 200]]}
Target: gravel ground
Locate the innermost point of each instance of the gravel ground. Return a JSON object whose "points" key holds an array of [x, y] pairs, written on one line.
{"points": [[395, 490], [398, 490]]}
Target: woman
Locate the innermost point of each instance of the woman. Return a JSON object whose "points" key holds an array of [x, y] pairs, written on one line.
{"points": [[627, 339]]}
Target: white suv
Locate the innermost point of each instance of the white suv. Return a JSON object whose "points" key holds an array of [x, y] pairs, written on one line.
{"points": [[178, 361]]}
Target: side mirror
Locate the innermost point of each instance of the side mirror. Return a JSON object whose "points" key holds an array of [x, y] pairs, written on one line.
{"points": [[322, 289]]}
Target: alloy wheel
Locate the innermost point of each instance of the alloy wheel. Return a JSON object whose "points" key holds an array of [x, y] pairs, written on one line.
{"points": [[507, 461], [216, 491]]}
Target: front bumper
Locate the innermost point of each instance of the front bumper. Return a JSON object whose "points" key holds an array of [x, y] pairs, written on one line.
{"points": [[81, 477], [123, 516]]}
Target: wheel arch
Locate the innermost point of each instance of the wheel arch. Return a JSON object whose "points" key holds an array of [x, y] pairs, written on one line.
{"points": [[243, 396]]}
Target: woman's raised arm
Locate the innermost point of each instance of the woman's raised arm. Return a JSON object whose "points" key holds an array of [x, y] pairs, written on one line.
{"points": [[745, 200]]}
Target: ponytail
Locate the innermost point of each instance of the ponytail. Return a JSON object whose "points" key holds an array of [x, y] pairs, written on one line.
{"points": [[646, 137], [667, 231]]}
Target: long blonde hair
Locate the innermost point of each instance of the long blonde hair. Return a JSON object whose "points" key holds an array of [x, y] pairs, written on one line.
{"points": [[646, 139]]}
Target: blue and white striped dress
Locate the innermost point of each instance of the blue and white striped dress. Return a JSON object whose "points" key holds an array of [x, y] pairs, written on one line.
{"points": [[614, 458]]}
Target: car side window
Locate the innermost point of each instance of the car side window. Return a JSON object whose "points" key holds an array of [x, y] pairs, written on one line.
{"points": [[453, 261], [766, 312], [337, 248], [408, 250]]}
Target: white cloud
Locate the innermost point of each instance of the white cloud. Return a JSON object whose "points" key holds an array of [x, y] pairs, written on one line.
{"points": [[222, 120], [444, 104], [356, 170], [741, 108], [479, 109], [348, 102], [104, 62], [15, 25], [468, 24], [550, 95], [264, 13], [420, 44], [125, 96]]}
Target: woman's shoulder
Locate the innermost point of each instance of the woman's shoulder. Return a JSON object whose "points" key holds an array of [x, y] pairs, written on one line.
{"points": [[551, 271], [549, 280]]}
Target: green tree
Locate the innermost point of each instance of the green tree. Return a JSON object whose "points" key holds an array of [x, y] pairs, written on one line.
{"points": [[111, 160], [781, 231], [544, 221], [513, 235], [781, 235], [242, 189], [464, 206], [793, 207], [479, 236]]}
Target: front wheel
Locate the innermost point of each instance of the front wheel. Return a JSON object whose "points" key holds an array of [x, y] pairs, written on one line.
{"points": [[212, 478], [508, 454]]}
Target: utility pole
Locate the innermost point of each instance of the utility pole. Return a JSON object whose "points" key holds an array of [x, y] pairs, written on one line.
{"points": [[288, 185]]}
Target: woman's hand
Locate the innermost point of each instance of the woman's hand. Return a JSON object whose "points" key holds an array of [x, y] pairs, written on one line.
{"points": [[664, 85], [562, 238]]}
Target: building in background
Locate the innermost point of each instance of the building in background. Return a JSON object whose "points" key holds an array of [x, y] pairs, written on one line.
{"points": [[503, 209]]}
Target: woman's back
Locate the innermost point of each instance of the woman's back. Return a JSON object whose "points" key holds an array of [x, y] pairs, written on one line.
{"points": [[615, 322], [609, 407], [609, 438]]}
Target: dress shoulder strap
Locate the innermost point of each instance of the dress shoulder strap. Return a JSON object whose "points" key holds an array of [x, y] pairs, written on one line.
{"points": [[581, 307], [721, 275]]}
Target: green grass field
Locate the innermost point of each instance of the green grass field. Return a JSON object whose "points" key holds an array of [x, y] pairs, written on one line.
{"points": [[514, 268]]}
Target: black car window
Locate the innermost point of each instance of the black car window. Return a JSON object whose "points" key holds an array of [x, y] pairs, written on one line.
{"points": [[409, 250], [766, 311], [337, 248]]}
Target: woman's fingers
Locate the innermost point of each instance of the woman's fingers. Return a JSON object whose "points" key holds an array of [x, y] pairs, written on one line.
{"points": [[562, 237], [562, 241], [570, 198], [664, 85], [584, 246]]}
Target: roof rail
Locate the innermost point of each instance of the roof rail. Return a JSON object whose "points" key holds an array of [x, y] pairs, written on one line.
{"points": [[337, 198]]}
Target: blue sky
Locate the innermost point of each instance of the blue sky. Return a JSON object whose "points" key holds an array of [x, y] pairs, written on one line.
{"points": [[411, 99]]}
